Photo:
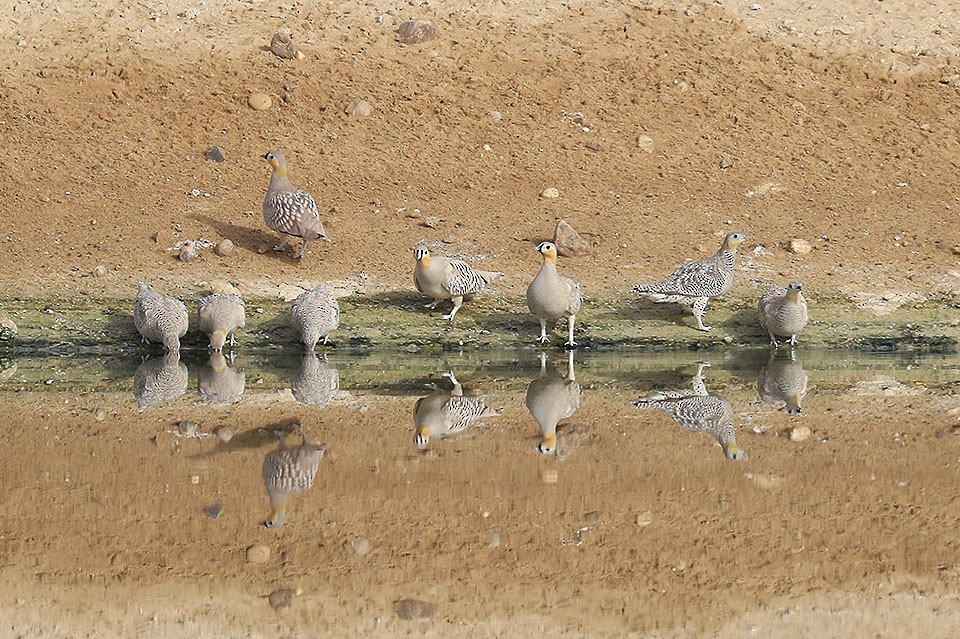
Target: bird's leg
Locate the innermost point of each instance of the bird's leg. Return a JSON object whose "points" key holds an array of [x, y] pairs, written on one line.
{"points": [[457, 303], [543, 331], [699, 307], [325, 340], [303, 248], [570, 322], [773, 341], [793, 340], [230, 340], [282, 245], [571, 375]]}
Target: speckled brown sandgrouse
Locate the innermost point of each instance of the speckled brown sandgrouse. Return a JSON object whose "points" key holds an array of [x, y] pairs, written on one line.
{"points": [[219, 382], [693, 283], [698, 411], [314, 315], [444, 278], [219, 316], [159, 318], [289, 210], [551, 398], [783, 311], [446, 413], [288, 471], [783, 383], [551, 296], [159, 379]]}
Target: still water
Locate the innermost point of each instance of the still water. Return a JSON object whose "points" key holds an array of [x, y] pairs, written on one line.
{"points": [[670, 472]]}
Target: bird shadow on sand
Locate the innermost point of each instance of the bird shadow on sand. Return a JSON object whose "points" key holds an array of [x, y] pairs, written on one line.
{"points": [[251, 239]]}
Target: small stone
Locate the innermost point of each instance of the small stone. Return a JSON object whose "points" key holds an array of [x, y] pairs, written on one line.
{"points": [[281, 600], [213, 511], [568, 241], [258, 554], [550, 194], [431, 221], [259, 101], [163, 238], [282, 46], [358, 547], [496, 115], [224, 433], [645, 143], [593, 145], [359, 108], [414, 609], [8, 328], [225, 248], [215, 153], [187, 428], [725, 162], [800, 433], [644, 519], [99, 414], [188, 252], [416, 31], [799, 246], [493, 540], [99, 270]]}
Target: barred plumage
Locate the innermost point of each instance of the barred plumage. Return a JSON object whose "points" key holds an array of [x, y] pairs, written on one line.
{"points": [[315, 314], [315, 384], [287, 471], [289, 210], [783, 383], [220, 383], [552, 398], [693, 283], [783, 311], [159, 318], [698, 411], [443, 278], [446, 413], [219, 316], [551, 296], [159, 380]]}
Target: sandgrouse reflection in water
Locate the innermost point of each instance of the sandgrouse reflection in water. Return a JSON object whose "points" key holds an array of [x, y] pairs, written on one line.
{"points": [[698, 411], [219, 382], [315, 383], [783, 382], [160, 379], [288, 471], [551, 398], [443, 414]]}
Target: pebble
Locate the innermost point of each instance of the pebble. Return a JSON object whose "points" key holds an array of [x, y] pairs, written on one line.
{"points": [[799, 246], [359, 547], [8, 328], [224, 433], [644, 519], [550, 194], [258, 554], [359, 108], [281, 600], [259, 101], [225, 248], [99, 414], [215, 153], [187, 252], [800, 433], [414, 609], [493, 540], [568, 241], [100, 270], [187, 428], [496, 115], [282, 46], [645, 143], [593, 145], [163, 238], [416, 31]]}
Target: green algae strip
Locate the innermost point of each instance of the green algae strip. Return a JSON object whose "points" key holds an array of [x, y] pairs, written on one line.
{"points": [[399, 321]]}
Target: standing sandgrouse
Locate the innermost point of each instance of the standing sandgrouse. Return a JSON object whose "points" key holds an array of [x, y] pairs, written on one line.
{"points": [[315, 314], [159, 318], [783, 311], [287, 471], [443, 278], [219, 316], [693, 283], [551, 296], [288, 210]]}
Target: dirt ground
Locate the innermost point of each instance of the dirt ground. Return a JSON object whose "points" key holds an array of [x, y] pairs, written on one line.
{"points": [[662, 125]]}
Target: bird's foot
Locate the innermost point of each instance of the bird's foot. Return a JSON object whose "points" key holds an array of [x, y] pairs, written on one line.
{"points": [[279, 248], [431, 305], [570, 344], [704, 328], [543, 339]]}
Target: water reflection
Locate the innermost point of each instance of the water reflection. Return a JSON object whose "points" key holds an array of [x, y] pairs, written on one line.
{"points": [[783, 382], [287, 471], [697, 410], [220, 383], [443, 414], [315, 383], [160, 379], [553, 397]]}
